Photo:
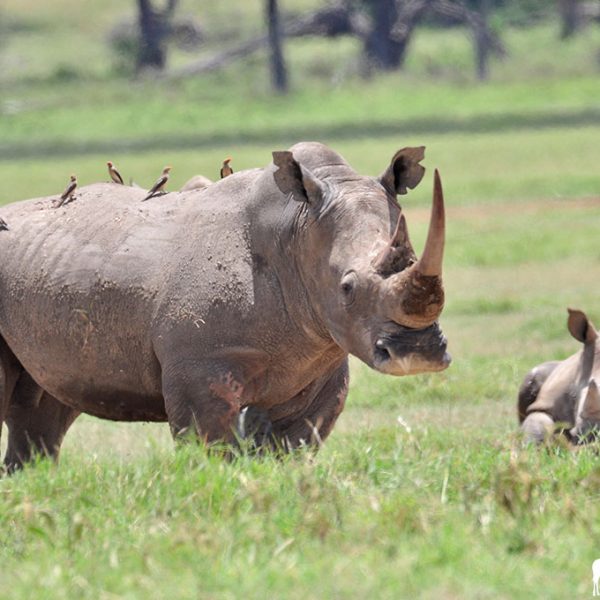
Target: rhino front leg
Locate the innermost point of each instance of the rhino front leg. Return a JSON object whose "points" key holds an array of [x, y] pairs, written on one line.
{"points": [[203, 401], [37, 423], [313, 424]]}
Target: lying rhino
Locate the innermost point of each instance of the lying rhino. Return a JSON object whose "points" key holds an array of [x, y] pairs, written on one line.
{"points": [[564, 394], [191, 307]]}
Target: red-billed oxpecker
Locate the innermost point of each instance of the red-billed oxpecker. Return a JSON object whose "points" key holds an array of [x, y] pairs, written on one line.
{"points": [[226, 168], [114, 174], [68, 195], [159, 185]]}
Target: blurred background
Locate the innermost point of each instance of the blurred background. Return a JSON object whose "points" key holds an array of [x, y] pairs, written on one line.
{"points": [[505, 94], [189, 81]]}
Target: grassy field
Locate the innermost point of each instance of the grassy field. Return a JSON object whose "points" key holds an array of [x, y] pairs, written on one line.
{"points": [[423, 489]]}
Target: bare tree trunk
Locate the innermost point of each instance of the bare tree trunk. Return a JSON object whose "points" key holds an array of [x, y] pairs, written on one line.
{"points": [[154, 27], [482, 41], [378, 43], [570, 17], [386, 43], [408, 18], [278, 69]]}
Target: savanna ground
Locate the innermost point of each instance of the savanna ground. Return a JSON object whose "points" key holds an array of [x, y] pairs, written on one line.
{"points": [[423, 489]]}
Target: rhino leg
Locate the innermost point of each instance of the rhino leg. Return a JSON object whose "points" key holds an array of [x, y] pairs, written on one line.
{"points": [[537, 427], [315, 422], [255, 426], [11, 370], [37, 424], [530, 388], [202, 401]]}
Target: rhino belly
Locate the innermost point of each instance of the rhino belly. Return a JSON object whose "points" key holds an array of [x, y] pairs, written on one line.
{"points": [[91, 349], [96, 379]]}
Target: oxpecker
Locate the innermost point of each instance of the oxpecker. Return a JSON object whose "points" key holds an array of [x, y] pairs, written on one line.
{"points": [[67, 195], [159, 184], [114, 174], [226, 168]]}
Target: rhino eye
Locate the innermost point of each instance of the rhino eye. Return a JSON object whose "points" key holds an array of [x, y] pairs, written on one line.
{"points": [[348, 287]]}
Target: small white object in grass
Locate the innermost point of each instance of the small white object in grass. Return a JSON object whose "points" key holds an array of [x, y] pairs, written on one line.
{"points": [[404, 424]]}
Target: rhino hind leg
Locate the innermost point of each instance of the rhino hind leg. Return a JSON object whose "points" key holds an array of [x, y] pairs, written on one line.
{"points": [[11, 370], [315, 422], [532, 383], [37, 423]]}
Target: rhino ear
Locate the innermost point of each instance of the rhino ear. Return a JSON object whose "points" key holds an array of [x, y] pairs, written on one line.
{"points": [[292, 178], [591, 405], [580, 327], [404, 171]]}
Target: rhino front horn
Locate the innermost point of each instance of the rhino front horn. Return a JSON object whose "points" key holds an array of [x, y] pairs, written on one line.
{"points": [[430, 263]]}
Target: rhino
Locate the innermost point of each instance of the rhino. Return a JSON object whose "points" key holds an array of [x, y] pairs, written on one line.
{"points": [[241, 299], [197, 182], [563, 395]]}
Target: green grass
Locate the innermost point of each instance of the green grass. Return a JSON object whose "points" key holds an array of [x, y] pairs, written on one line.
{"points": [[382, 514], [423, 489]]}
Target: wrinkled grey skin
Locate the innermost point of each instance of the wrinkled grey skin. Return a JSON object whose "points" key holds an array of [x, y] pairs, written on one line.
{"points": [[564, 394], [197, 182], [194, 306]]}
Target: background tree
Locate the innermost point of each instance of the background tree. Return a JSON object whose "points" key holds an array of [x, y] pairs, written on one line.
{"points": [[279, 78], [478, 20], [392, 23], [154, 25], [475, 14], [569, 17]]}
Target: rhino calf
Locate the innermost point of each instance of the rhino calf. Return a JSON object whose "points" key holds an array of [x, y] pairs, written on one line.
{"points": [[233, 313], [564, 394]]}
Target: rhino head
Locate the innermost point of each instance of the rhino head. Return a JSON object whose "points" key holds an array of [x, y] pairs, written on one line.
{"points": [[367, 287], [587, 414]]}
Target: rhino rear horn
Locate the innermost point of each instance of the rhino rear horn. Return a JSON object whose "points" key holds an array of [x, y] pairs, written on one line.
{"points": [[404, 171], [580, 327], [292, 178]]}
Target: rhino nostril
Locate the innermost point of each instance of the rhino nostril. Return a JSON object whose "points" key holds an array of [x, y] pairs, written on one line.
{"points": [[381, 350]]}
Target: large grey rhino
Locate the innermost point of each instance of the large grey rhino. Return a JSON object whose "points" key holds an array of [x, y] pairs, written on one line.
{"points": [[195, 306], [564, 394]]}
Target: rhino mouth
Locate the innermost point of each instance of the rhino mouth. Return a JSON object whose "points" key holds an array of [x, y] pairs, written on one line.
{"points": [[400, 350]]}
